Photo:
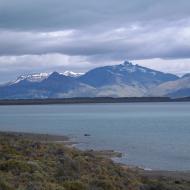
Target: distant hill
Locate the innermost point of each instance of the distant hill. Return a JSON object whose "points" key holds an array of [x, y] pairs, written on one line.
{"points": [[123, 80], [176, 88]]}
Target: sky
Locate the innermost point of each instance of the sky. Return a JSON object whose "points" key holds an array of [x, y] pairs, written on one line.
{"points": [[78, 35]]}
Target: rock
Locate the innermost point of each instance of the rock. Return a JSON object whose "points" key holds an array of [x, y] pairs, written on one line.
{"points": [[87, 135]]}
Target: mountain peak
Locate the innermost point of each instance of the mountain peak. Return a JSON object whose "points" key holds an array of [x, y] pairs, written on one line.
{"points": [[72, 74], [54, 75], [127, 63]]}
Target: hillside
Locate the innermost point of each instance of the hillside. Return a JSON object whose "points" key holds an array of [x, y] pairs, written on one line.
{"points": [[177, 88], [37, 162]]}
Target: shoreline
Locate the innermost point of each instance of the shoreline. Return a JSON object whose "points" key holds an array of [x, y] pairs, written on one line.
{"points": [[62, 139], [108, 154], [88, 100], [43, 161]]}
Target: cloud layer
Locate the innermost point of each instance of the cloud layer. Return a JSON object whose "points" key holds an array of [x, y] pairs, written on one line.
{"points": [[64, 14], [47, 35]]}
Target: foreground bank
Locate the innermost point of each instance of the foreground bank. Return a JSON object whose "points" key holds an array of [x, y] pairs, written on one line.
{"points": [[37, 162]]}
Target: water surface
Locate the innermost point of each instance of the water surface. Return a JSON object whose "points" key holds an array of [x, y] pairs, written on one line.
{"points": [[150, 135]]}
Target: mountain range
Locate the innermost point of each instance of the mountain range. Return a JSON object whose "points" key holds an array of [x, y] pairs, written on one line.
{"points": [[123, 80]]}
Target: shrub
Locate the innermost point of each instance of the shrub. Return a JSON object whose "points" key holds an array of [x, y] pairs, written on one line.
{"points": [[4, 185], [74, 185]]}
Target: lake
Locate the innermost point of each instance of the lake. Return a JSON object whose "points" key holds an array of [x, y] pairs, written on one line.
{"points": [[150, 135]]}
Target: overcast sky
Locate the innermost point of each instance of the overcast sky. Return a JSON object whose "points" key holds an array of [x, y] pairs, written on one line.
{"points": [[49, 35]]}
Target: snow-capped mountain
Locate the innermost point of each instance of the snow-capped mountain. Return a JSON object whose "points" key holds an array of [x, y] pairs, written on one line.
{"points": [[72, 74], [54, 86], [38, 77], [124, 80], [125, 74]]}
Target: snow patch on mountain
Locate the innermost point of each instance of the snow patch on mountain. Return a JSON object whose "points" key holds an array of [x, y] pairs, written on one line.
{"points": [[37, 77], [72, 74]]}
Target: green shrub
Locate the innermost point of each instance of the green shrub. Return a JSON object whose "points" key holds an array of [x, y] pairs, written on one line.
{"points": [[15, 166], [4, 185], [74, 185]]}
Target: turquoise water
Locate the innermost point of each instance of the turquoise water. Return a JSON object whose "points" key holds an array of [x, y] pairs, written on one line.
{"points": [[150, 135]]}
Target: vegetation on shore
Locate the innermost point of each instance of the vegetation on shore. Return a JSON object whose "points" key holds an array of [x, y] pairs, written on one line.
{"points": [[31, 164], [90, 100]]}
